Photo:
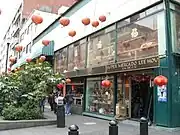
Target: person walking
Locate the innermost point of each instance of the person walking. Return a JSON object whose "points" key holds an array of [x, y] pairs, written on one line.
{"points": [[50, 100], [68, 102]]}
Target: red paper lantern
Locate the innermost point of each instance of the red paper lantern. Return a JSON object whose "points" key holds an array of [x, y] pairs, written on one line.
{"points": [[28, 60], [42, 58], [102, 18], [9, 69], [37, 19], [18, 48], [68, 80], [86, 21], [12, 59], [95, 24], [45, 42], [64, 21], [160, 80], [72, 33], [60, 86], [106, 83]]}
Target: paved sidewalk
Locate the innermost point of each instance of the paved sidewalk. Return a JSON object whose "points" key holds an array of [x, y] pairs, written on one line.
{"points": [[90, 126]]}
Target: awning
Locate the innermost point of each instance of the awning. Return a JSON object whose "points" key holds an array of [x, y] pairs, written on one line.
{"points": [[37, 50]]}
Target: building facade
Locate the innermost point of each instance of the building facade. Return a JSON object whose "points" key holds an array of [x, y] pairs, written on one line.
{"points": [[24, 11], [129, 49]]}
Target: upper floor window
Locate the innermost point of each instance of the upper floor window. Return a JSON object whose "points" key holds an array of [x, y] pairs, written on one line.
{"points": [[101, 47]]}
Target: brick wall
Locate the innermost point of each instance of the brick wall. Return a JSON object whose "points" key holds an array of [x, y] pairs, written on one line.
{"points": [[29, 5]]}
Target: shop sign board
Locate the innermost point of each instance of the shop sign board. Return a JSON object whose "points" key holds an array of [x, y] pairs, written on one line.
{"points": [[150, 62]]}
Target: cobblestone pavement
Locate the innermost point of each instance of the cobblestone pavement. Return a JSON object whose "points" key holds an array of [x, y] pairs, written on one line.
{"points": [[90, 126]]}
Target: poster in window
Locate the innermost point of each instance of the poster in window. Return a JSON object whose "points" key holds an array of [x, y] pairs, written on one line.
{"points": [[162, 93]]}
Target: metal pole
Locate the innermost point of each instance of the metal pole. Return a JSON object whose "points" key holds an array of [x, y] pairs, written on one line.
{"points": [[60, 116], [7, 54], [143, 126], [113, 128], [73, 130]]}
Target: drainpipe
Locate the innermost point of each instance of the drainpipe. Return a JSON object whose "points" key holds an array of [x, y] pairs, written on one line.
{"points": [[7, 54]]}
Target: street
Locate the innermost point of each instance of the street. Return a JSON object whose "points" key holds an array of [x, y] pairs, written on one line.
{"points": [[90, 126]]}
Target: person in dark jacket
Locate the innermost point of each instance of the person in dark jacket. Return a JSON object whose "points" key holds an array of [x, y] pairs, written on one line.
{"points": [[51, 100], [68, 102]]}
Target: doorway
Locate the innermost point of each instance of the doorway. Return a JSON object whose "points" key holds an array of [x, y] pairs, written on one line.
{"points": [[141, 97]]}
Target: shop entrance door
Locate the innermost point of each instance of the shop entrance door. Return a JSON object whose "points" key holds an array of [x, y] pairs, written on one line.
{"points": [[141, 97]]}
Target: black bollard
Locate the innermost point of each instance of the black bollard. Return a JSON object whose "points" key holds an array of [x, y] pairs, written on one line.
{"points": [[73, 130], [143, 126], [113, 127], [60, 116]]}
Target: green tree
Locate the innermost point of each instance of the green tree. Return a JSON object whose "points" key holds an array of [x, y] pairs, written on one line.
{"points": [[23, 90]]}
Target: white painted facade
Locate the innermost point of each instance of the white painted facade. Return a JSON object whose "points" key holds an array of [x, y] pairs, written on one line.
{"points": [[30, 30], [114, 10]]}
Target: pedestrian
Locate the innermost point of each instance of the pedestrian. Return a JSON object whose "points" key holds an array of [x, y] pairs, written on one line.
{"points": [[42, 103], [50, 100], [68, 102]]}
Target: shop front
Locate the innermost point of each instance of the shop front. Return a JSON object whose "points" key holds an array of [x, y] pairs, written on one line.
{"points": [[128, 53]]}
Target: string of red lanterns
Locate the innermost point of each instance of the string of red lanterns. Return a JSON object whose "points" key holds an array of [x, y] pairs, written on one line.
{"points": [[37, 19], [160, 80], [18, 48], [102, 18], [42, 58], [106, 83], [60, 86], [12, 59], [86, 21], [95, 24], [72, 33], [28, 60], [64, 21], [45, 42]]}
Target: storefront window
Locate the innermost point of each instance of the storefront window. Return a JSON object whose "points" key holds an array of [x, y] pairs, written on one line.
{"points": [[70, 57], [99, 100], [101, 47], [80, 54], [77, 55], [175, 23], [61, 60], [139, 39]]}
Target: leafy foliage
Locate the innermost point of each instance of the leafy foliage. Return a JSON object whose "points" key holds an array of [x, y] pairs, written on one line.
{"points": [[22, 91]]}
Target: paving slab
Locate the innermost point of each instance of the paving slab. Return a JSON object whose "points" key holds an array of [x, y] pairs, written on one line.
{"points": [[90, 126]]}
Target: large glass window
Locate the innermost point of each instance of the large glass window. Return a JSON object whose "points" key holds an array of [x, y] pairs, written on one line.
{"points": [[77, 55], [175, 27], [101, 47], [142, 38], [70, 57], [99, 100], [80, 54], [61, 60]]}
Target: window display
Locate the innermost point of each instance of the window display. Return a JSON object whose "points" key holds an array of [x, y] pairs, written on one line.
{"points": [[99, 100]]}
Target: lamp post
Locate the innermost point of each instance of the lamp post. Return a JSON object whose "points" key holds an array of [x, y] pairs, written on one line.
{"points": [[7, 54]]}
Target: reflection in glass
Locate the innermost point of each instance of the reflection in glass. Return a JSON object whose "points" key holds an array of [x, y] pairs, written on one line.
{"points": [[101, 49], [61, 60], [175, 22], [99, 100], [137, 40]]}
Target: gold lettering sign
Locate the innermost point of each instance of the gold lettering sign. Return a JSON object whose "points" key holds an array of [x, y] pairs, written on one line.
{"points": [[131, 65]]}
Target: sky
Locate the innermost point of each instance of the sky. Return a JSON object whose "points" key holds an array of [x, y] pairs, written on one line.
{"points": [[8, 9]]}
